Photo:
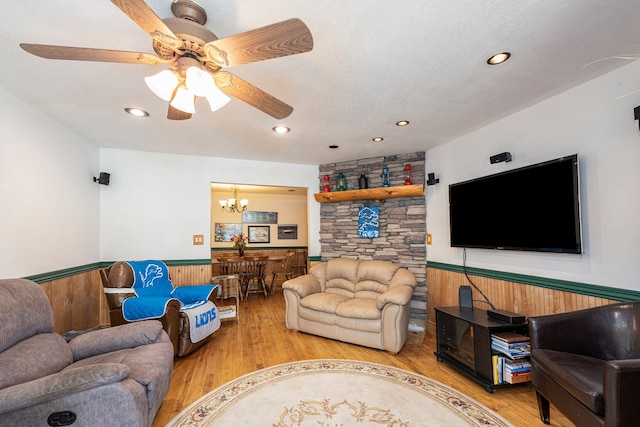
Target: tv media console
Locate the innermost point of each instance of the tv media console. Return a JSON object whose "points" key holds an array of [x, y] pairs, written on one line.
{"points": [[464, 339]]}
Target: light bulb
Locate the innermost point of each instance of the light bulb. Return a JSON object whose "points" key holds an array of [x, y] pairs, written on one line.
{"points": [[163, 84], [217, 99], [184, 100], [198, 81]]}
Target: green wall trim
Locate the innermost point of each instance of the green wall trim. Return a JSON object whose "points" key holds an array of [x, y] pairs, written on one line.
{"points": [[171, 262], [607, 292], [259, 248], [315, 258], [185, 262], [59, 274]]}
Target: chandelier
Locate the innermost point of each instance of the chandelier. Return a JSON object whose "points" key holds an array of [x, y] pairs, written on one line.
{"points": [[231, 205]]}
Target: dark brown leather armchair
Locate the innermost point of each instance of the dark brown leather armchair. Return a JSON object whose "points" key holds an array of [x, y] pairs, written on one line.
{"points": [[174, 322], [587, 363]]}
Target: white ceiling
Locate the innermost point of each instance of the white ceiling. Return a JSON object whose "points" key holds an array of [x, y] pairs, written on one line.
{"points": [[374, 62]]}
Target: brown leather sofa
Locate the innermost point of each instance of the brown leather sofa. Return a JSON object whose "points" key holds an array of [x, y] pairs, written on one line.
{"points": [[174, 322], [360, 302], [587, 363]]}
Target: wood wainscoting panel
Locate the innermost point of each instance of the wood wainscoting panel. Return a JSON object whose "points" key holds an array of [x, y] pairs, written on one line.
{"points": [[190, 275], [77, 302], [442, 291]]}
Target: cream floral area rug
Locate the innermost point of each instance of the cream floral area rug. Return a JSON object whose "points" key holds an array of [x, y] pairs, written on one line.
{"points": [[335, 393]]}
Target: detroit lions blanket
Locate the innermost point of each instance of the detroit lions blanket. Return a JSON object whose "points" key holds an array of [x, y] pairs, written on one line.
{"points": [[154, 290], [203, 319]]}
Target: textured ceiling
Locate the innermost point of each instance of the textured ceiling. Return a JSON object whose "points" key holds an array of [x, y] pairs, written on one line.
{"points": [[374, 62]]}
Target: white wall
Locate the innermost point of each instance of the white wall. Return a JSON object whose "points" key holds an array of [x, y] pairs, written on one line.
{"points": [[156, 202], [49, 204], [594, 120]]}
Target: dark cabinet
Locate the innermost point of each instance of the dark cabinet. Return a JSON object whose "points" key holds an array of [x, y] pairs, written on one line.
{"points": [[464, 339]]}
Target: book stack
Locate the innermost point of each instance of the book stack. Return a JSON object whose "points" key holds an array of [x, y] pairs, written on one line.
{"points": [[511, 357], [516, 371]]}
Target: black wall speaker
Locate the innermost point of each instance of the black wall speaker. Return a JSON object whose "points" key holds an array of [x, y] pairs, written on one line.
{"points": [[499, 158], [104, 178], [465, 296]]}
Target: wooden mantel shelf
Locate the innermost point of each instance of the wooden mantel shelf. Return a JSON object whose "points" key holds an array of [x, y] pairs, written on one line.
{"points": [[371, 193]]}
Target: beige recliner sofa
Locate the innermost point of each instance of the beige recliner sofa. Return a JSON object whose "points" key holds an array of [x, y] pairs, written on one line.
{"points": [[360, 302]]}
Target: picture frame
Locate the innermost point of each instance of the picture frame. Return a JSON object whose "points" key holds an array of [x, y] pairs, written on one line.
{"points": [[288, 232], [224, 232], [259, 234], [256, 217]]}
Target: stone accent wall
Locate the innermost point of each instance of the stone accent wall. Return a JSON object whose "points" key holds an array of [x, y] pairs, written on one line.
{"points": [[402, 222]]}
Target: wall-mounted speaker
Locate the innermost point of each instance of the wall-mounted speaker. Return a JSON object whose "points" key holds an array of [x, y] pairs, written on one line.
{"points": [[465, 296], [103, 179], [499, 158]]}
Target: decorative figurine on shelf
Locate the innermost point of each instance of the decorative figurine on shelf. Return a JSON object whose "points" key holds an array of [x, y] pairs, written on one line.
{"points": [[326, 184], [341, 182], [385, 177], [363, 182], [408, 175]]}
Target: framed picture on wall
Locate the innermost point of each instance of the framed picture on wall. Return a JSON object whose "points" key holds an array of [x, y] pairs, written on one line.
{"points": [[287, 232], [224, 232], [259, 234], [253, 217]]}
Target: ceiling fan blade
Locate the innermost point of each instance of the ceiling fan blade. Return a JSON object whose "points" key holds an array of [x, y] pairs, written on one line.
{"points": [[175, 114], [284, 38], [87, 54], [146, 19], [246, 92]]}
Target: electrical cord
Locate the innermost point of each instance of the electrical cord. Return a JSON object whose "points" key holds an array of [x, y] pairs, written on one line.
{"points": [[464, 270]]}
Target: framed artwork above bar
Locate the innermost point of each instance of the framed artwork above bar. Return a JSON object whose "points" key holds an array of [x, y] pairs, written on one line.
{"points": [[224, 232], [254, 217], [259, 234]]}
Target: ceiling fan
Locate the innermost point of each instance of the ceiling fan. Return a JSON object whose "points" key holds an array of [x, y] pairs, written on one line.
{"points": [[196, 57]]}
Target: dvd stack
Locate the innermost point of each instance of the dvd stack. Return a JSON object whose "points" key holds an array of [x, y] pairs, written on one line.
{"points": [[511, 357]]}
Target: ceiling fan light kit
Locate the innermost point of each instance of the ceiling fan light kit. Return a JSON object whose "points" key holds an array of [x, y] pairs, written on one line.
{"points": [[197, 56], [184, 100], [163, 84]]}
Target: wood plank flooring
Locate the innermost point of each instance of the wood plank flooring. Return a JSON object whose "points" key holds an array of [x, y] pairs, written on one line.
{"points": [[261, 339]]}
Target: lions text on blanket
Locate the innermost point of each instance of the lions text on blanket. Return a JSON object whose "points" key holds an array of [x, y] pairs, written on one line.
{"points": [[154, 290]]}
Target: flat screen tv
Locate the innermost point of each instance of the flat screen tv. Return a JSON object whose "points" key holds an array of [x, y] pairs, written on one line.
{"points": [[534, 208]]}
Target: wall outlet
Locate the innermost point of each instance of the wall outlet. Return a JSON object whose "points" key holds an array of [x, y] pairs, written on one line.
{"points": [[198, 239]]}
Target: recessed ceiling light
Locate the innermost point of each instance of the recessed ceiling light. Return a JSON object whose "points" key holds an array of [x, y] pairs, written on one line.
{"points": [[333, 147], [136, 112], [498, 58], [402, 123], [377, 139], [281, 129]]}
